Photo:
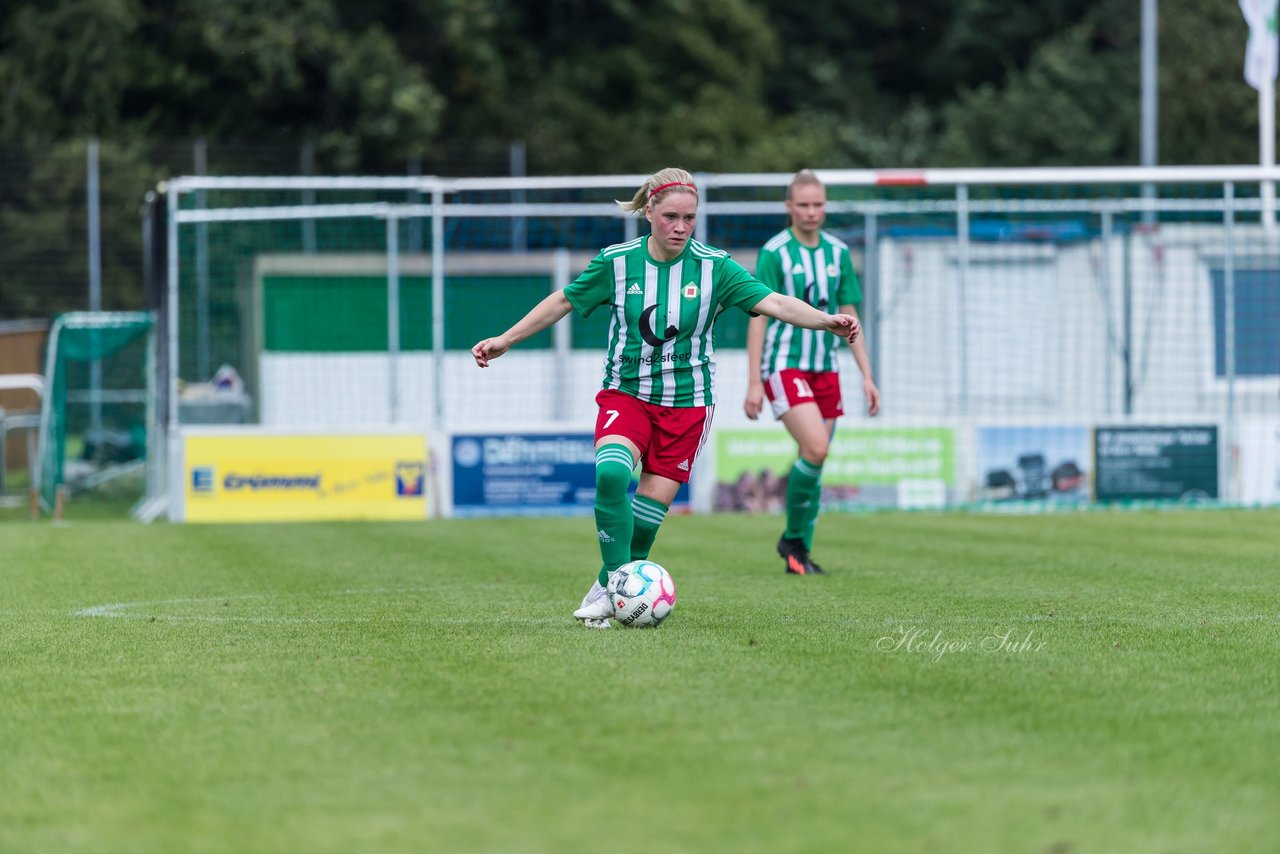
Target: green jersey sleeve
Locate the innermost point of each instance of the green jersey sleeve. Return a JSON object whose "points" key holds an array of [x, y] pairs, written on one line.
{"points": [[593, 288], [850, 290], [737, 288]]}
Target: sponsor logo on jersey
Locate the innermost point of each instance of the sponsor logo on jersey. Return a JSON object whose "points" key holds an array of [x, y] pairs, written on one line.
{"points": [[797, 269], [655, 359], [634, 289], [649, 334], [690, 291]]}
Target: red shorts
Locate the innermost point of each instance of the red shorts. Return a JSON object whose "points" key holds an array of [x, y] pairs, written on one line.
{"points": [[790, 387], [668, 437]]}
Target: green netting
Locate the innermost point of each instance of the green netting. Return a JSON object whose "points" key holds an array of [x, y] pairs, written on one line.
{"points": [[117, 395]]}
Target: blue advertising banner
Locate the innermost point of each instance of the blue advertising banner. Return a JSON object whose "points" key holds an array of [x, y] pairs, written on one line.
{"points": [[528, 474]]}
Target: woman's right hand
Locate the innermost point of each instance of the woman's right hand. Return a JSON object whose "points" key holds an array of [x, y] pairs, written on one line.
{"points": [[755, 399], [488, 350]]}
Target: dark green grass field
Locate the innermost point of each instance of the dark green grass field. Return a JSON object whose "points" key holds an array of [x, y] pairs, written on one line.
{"points": [[1099, 682]]}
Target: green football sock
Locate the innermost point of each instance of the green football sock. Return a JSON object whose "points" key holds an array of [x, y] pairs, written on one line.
{"points": [[802, 493], [811, 518], [614, 521], [648, 517]]}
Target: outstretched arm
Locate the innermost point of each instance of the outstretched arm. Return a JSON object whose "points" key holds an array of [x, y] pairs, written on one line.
{"points": [[755, 383], [800, 313], [541, 316]]}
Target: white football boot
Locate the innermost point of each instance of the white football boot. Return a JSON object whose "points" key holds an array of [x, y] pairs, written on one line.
{"points": [[596, 609]]}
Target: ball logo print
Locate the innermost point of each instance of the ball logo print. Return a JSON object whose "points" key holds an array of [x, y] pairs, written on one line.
{"points": [[649, 333], [644, 594]]}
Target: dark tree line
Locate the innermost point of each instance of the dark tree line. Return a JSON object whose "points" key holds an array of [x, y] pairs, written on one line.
{"points": [[599, 85], [590, 86]]}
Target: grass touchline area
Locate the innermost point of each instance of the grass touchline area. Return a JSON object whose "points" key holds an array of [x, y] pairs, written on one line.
{"points": [[958, 682]]}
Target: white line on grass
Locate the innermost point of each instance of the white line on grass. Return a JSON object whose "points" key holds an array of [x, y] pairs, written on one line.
{"points": [[123, 610]]}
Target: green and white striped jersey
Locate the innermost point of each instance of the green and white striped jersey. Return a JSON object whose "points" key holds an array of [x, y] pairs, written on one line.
{"points": [[824, 278], [661, 343]]}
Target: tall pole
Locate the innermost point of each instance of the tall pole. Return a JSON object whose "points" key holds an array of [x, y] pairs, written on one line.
{"points": [[1260, 62], [519, 168], [1267, 147], [95, 281], [200, 154], [1150, 112]]}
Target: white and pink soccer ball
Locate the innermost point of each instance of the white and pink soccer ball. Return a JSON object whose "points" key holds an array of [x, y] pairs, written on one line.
{"points": [[643, 594]]}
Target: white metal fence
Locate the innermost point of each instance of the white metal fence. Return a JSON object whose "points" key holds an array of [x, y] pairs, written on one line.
{"points": [[992, 297]]}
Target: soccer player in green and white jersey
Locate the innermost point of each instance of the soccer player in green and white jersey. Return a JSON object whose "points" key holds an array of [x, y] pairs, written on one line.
{"points": [[798, 370], [663, 292]]}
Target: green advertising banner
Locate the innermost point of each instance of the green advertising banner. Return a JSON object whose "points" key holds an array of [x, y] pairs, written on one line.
{"points": [[906, 466], [1174, 462]]}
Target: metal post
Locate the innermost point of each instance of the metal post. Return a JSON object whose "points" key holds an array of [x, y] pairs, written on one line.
{"points": [[703, 222], [871, 288], [1150, 104], [562, 341], [1104, 275], [1229, 333], [308, 163], [958, 325], [1267, 148], [203, 372], [171, 321], [413, 226], [1128, 321], [437, 304], [393, 318], [519, 168], [95, 279]]}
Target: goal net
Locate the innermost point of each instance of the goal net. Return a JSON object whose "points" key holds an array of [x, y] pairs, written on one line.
{"points": [[98, 405]]}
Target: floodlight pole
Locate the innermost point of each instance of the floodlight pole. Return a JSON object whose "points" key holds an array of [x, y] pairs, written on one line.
{"points": [[1150, 110]]}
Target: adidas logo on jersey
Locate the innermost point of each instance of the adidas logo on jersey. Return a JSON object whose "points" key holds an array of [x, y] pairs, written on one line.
{"points": [[634, 289], [604, 536], [684, 465], [797, 269]]}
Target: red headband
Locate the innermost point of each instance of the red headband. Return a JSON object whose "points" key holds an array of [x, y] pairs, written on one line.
{"points": [[657, 190]]}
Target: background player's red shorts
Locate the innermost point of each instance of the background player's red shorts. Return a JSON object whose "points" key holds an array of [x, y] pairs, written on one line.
{"points": [[789, 387], [668, 437]]}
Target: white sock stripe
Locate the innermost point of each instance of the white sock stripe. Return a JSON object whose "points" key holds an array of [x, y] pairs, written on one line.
{"points": [[649, 514], [615, 455], [806, 467]]}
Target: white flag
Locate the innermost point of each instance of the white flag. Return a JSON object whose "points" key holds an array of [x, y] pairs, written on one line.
{"points": [[1260, 60]]}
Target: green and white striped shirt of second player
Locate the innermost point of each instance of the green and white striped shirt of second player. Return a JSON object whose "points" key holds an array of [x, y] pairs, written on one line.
{"points": [[661, 342], [822, 276]]}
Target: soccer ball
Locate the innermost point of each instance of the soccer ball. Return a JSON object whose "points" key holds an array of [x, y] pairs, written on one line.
{"points": [[643, 594]]}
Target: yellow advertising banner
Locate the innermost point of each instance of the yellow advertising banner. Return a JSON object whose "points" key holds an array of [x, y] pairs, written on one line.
{"points": [[301, 478]]}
